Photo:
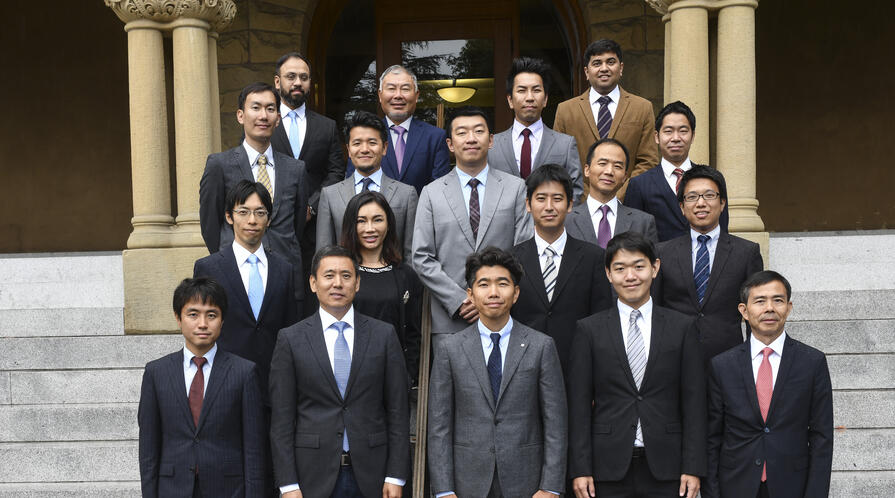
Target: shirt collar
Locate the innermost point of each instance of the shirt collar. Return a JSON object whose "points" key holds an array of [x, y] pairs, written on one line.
{"points": [[285, 110], [615, 95], [242, 254], [209, 356], [713, 234], [405, 124], [646, 311], [756, 346], [253, 154], [594, 205], [668, 168], [328, 320], [558, 245], [376, 177], [536, 128], [485, 332], [465, 177]]}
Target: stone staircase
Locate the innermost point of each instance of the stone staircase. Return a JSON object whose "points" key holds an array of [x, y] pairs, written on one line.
{"points": [[70, 378]]}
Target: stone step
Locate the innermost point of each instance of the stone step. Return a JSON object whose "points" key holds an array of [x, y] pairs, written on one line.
{"points": [[69, 461], [863, 484], [842, 305], [846, 336], [70, 490], [862, 371], [93, 422], [61, 322], [78, 386], [61, 280], [60, 353], [864, 449], [835, 261]]}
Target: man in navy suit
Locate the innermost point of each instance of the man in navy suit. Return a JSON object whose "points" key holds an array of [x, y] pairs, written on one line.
{"points": [[655, 191], [770, 421], [200, 415], [417, 153]]}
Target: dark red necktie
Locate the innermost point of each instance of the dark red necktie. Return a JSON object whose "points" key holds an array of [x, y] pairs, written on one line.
{"points": [[474, 207], [525, 155], [197, 389]]}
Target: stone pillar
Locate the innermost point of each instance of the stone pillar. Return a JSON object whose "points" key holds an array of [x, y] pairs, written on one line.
{"points": [[735, 147], [688, 58], [666, 96], [151, 187], [215, 91]]}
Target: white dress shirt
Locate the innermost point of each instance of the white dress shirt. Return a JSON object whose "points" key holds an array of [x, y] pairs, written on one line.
{"points": [[558, 245], [488, 344], [537, 133], [668, 171], [376, 186], [245, 268], [645, 324], [774, 358], [330, 335], [467, 190], [593, 207], [301, 119], [253, 163], [190, 369], [394, 135], [615, 95], [711, 245]]}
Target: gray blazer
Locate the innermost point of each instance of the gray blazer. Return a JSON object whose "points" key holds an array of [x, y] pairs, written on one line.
{"points": [[334, 199], [556, 148], [580, 225], [442, 237], [523, 433]]}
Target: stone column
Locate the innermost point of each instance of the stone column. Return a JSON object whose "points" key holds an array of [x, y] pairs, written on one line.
{"points": [[215, 91], [666, 97], [688, 58], [735, 147]]}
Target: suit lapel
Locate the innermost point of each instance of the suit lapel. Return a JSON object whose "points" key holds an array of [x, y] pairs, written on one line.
{"points": [[622, 219], [659, 183], [588, 113], [217, 378], [311, 132], [241, 158], [177, 389], [454, 198], [346, 190], [682, 251], [745, 359], [282, 179], [361, 341], [623, 102], [581, 218], [532, 266], [615, 332], [570, 259], [275, 275], [657, 340], [493, 192], [389, 162], [280, 137], [722, 254], [786, 361], [414, 137], [472, 347], [318, 349], [547, 141], [234, 279], [505, 146], [389, 188], [516, 348]]}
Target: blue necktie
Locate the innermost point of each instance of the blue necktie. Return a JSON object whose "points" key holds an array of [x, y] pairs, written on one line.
{"points": [[701, 270], [256, 287], [495, 371], [366, 184], [342, 368], [294, 141]]}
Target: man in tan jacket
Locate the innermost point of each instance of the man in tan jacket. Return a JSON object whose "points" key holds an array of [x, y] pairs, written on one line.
{"points": [[606, 110]]}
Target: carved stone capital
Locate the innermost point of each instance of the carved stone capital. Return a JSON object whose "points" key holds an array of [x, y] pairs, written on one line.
{"points": [[217, 13], [660, 6]]}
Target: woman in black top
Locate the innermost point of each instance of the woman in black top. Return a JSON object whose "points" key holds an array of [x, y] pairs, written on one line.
{"points": [[389, 289]]}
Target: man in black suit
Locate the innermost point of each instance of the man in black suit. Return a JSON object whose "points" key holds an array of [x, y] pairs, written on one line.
{"points": [[655, 191], [702, 271], [602, 215], [770, 422], [255, 160], [200, 415], [637, 402], [564, 277], [338, 389]]}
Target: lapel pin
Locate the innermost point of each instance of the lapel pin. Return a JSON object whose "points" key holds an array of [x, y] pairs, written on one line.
{"points": [[522, 345]]}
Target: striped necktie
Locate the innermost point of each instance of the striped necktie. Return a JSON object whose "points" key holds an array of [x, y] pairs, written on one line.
{"points": [[636, 360], [701, 269], [550, 272], [263, 177]]}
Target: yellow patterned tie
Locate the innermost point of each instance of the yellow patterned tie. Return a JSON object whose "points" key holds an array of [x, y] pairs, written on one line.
{"points": [[262, 174]]}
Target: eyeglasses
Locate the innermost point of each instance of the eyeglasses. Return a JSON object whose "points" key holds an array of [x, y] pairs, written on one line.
{"points": [[709, 196], [244, 213]]}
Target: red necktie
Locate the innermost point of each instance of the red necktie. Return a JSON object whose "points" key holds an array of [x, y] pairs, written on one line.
{"points": [[764, 387], [525, 155], [197, 390], [679, 173]]}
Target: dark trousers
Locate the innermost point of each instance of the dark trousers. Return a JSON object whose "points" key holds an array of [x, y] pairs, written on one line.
{"points": [[346, 484], [638, 483], [763, 490]]}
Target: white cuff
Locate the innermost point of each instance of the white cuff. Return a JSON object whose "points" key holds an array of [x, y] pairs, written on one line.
{"points": [[288, 488]]}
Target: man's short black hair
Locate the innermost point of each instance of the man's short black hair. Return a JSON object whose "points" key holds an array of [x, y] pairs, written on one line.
{"points": [[243, 190], [548, 173], [292, 55], [631, 242], [492, 256], [328, 251], [676, 107], [761, 278], [202, 289], [257, 87], [607, 140], [465, 112], [702, 172], [528, 65], [366, 120], [602, 47]]}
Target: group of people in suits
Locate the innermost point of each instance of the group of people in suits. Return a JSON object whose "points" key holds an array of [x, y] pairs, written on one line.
{"points": [[586, 341]]}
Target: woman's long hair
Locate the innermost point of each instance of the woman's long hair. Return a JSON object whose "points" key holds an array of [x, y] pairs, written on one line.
{"points": [[391, 252]]}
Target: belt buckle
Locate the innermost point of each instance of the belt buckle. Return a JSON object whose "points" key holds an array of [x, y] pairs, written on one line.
{"points": [[345, 460]]}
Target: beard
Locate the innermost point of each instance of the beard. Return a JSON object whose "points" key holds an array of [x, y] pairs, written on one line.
{"points": [[289, 100]]}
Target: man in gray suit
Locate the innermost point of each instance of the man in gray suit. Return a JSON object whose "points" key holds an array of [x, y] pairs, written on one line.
{"points": [[472, 207], [367, 140], [255, 160], [602, 216], [497, 405], [529, 143]]}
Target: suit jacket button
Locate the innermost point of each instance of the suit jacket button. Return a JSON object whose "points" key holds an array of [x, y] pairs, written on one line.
{"points": [[639, 398], [196, 439], [491, 449], [701, 315], [550, 313], [758, 461], [767, 429]]}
